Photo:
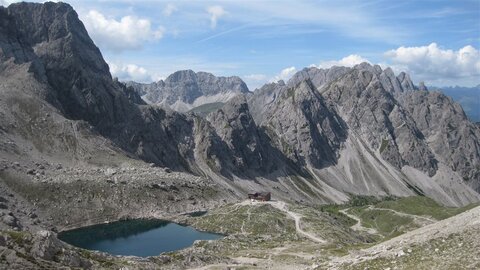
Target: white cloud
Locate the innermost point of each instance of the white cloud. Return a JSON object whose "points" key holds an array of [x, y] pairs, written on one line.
{"points": [[348, 61], [256, 77], [169, 9], [215, 13], [129, 32], [6, 3], [255, 80], [285, 74], [129, 72], [432, 63]]}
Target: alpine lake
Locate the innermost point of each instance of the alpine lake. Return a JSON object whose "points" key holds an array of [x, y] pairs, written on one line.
{"points": [[138, 237]]}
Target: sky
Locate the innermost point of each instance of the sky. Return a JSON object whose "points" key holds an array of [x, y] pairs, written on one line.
{"points": [[436, 41]]}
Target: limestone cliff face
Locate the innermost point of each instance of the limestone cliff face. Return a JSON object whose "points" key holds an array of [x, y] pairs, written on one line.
{"points": [[341, 101], [361, 116], [304, 127], [451, 136], [71, 63], [373, 113], [236, 127], [75, 78]]}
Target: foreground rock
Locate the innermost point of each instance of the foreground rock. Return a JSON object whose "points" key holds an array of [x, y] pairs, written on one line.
{"points": [[445, 244]]}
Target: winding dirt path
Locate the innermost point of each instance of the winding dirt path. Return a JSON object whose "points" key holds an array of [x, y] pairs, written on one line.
{"points": [[415, 217], [358, 226], [463, 222], [282, 206]]}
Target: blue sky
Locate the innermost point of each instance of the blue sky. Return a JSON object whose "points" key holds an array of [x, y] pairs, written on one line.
{"points": [[435, 41]]}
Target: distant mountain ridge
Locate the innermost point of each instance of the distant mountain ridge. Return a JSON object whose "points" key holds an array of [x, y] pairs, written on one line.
{"points": [[186, 89]]}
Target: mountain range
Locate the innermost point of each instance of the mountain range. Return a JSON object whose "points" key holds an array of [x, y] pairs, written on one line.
{"points": [[321, 136], [184, 90], [78, 148]]}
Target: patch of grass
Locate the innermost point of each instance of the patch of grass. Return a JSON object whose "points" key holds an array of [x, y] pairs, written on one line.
{"points": [[342, 250], [330, 225], [103, 261], [18, 237], [423, 206], [175, 256], [205, 109], [86, 254], [210, 192], [361, 200], [332, 210], [250, 219], [387, 223], [384, 145]]}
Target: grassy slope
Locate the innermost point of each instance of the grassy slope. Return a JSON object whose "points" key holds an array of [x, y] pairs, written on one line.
{"points": [[205, 109], [423, 206], [260, 231], [388, 223], [256, 220]]}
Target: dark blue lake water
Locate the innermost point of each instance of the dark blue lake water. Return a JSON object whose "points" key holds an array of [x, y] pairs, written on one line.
{"points": [[135, 237]]}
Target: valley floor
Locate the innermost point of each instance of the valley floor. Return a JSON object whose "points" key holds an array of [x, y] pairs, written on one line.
{"points": [[423, 242], [366, 233]]}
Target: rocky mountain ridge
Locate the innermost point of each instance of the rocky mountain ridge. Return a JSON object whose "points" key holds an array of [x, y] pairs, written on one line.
{"points": [[77, 148], [185, 89], [323, 135], [375, 107]]}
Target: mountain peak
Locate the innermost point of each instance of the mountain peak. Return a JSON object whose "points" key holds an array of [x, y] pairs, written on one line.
{"points": [[185, 89], [181, 75]]}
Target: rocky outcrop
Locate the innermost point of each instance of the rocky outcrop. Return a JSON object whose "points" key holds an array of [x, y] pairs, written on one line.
{"points": [[361, 119], [303, 127], [263, 99], [234, 124], [130, 92], [63, 54], [373, 113], [74, 78], [452, 137], [318, 77], [185, 89], [405, 81]]}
